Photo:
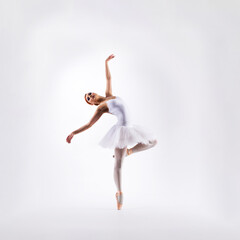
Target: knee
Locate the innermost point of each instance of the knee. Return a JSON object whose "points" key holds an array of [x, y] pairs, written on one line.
{"points": [[117, 166]]}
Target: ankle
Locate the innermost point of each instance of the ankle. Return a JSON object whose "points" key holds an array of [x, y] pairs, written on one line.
{"points": [[129, 151]]}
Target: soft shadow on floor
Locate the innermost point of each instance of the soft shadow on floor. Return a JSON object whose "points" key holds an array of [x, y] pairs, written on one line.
{"points": [[95, 223]]}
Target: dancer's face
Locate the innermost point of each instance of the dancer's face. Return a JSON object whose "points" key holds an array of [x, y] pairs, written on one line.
{"points": [[90, 97]]}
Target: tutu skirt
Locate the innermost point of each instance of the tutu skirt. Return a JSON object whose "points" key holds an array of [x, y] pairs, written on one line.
{"points": [[120, 136]]}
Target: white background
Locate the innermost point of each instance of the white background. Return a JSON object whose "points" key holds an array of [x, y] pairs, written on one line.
{"points": [[176, 65]]}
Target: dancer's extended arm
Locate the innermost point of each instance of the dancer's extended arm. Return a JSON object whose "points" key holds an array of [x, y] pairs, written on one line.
{"points": [[95, 117], [108, 91]]}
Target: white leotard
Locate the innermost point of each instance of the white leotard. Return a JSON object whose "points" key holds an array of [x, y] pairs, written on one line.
{"points": [[118, 108]]}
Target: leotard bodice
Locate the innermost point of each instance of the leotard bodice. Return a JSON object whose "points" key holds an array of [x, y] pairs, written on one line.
{"points": [[118, 108]]}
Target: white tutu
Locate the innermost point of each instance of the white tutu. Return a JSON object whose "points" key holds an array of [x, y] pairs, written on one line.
{"points": [[123, 136]]}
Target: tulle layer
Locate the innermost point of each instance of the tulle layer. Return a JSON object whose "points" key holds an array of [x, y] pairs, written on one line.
{"points": [[123, 136]]}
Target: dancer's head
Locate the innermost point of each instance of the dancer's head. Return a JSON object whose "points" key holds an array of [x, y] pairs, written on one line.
{"points": [[93, 98], [90, 98]]}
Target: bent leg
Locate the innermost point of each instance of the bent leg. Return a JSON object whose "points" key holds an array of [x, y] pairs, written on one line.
{"points": [[119, 156], [142, 147]]}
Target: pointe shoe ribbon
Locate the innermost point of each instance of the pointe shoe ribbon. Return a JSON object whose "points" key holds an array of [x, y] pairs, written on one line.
{"points": [[119, 198]]}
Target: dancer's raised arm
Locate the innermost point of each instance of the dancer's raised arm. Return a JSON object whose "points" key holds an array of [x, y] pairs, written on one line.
{"points": [[98, 113], [108, 91]]}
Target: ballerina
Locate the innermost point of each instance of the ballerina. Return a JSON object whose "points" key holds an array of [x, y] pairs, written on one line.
{"points": [[121, 135]]}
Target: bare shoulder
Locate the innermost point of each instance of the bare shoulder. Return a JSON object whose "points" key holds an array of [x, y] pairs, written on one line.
{"points": [[103, 107]]}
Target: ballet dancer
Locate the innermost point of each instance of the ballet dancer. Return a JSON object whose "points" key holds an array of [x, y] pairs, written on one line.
{"points": [[121, 135]]}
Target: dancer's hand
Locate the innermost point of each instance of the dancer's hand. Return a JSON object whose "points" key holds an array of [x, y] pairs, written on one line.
{"points": [[69, 138], [110, 57]]}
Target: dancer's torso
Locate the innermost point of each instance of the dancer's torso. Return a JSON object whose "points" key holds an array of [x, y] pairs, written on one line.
{"points": [[117, 107]]}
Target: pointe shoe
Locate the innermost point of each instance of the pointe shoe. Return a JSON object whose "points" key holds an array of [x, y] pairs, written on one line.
{"points": [[128, 152], [119, 198]]}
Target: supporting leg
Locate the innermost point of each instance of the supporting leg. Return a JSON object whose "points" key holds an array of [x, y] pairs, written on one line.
{"points": [[119, 156]]}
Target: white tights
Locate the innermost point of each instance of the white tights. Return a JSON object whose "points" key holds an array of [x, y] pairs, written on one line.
{"points": [[119, 156]]}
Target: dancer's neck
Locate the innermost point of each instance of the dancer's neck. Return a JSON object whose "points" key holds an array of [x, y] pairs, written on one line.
{"points": [[100, 99]]}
